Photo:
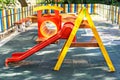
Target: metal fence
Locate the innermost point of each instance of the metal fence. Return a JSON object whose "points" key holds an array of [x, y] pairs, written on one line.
{"points": [[8, 17], [109, 12], [73, 8]]}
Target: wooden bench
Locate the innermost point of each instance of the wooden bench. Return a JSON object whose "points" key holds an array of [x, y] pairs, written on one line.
{"points": [[22, 24], [33, 18]]}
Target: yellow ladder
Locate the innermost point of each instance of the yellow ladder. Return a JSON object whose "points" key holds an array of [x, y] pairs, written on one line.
{"points": [[83, 13]]}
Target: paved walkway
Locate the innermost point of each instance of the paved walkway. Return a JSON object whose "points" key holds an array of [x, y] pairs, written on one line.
{"points": [[79, 64]]}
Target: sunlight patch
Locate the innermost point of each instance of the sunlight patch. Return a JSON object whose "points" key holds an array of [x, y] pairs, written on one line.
{"points": [[6, 51], [48, 76], [45, 52], [31, 78], [110, 78], [10, 74], [88, 54], [79, 74]]}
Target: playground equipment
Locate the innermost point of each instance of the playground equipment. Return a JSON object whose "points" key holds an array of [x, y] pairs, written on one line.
{"points": [[63, 34], [67, 32], [48, 25], [78, 21]]}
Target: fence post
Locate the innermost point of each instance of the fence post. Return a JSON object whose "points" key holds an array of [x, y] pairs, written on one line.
{"points": [[1, 21], [107, 12], [75, 8], [68, 8], [112, 16], [12, 13], [119, 17], [94, 9], [63, 8], [15, 14], [115, 14], [9, 18], [4, 20]]}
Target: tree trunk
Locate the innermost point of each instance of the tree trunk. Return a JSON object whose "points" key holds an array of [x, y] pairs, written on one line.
{"points": [[23, 3]]}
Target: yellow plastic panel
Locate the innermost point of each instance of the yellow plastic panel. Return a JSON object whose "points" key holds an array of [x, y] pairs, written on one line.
{"points": [[48, 7]]}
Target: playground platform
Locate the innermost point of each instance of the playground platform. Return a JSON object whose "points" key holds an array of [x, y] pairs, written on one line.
{"points": [[79, 64]]}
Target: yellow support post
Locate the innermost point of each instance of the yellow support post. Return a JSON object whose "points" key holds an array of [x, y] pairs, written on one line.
{"points": [[69, 41], [65, 48], [103, 50]]}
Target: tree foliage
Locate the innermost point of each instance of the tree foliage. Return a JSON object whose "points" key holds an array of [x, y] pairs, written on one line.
{"points": [[12, 3], [5, 3], [80, 1]]}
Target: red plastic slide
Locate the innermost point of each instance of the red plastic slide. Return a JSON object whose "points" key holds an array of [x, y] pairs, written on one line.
{"points": [[63, 34]]}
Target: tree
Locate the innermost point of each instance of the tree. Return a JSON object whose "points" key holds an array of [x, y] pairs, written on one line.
{"points": [[6, 3], [12, 3]]}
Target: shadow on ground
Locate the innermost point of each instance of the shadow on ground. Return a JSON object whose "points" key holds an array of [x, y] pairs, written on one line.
{"points": [[79, 64]]}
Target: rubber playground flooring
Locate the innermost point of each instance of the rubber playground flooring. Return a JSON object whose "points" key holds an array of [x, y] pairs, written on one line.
{"points": [[79, 64]]}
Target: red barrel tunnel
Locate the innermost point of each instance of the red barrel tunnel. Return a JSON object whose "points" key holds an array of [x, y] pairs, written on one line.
{"points": [[48, 24]]}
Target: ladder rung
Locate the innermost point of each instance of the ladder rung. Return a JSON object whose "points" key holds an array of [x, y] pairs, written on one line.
{"points": [[84, 44]]}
